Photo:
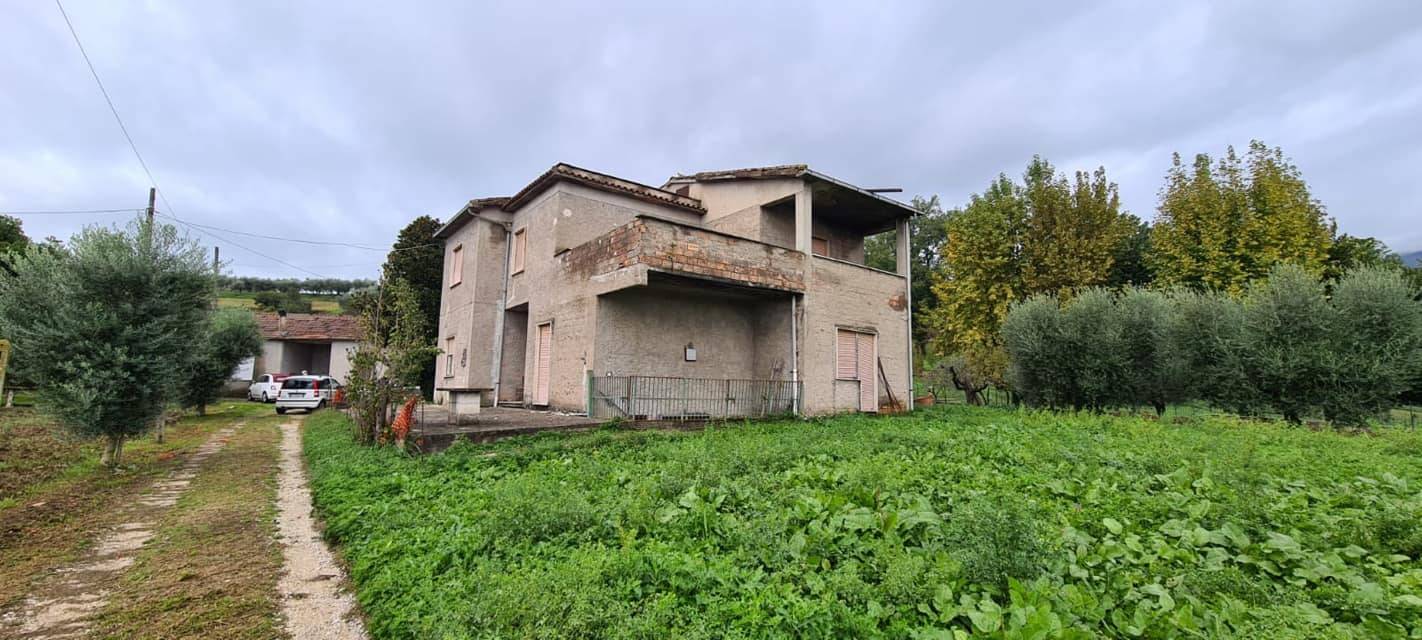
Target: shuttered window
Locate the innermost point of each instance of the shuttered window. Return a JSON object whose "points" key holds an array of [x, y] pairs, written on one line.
{"points": [[456, 272], [855, 359], [846, 355], [543, 364], [519, 249]]}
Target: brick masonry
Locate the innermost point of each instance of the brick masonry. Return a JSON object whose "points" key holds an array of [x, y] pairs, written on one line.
{"points": [[673, 248]]}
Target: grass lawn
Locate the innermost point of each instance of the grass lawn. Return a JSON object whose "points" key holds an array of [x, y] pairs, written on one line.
{"points": [[56, 497], [211, 569], [950, 522]]}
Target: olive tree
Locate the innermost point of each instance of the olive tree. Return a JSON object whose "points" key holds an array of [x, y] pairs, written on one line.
{"points": [[103, 326], [1376, 345], [1154, 373], [1288, 331], [229, 337]]}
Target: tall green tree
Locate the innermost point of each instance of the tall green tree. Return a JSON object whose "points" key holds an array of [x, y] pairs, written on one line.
{"points": [[927, 233], [1048, 234], [1074, 229], [1222, 225], [417, 259], [1347, 253], [981, 276], [231, 336], [102, 326], [12, 235]]}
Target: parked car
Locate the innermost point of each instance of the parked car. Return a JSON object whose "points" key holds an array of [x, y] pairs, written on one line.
{"points": [[306, 392], [266, 386]]}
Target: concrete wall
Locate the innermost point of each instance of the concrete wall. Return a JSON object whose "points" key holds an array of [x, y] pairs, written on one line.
{"points": [[644, 331], [269, 361], [470, 309], [859, 298], [844, 244], [341, 351], [727, 197]]}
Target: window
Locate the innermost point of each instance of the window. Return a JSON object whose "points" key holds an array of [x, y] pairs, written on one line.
{"points": [[456, 274], [519, 249], [819, 246], [449, 357]]}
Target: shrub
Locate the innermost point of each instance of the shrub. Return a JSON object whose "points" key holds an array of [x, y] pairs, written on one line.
{"points": [[1154, 375], [1206, 337], [1376, 342], [1094, 352], [996, 540], [1288, 333], [1032, 336]]}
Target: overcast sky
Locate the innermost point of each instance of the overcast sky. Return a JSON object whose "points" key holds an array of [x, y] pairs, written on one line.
{"points": [[340, 122]]}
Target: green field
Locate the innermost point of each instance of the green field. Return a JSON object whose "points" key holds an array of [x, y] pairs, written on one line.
{"points": [[949, 523], [243, 300]]}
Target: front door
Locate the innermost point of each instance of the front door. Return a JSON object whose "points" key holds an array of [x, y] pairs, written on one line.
{"points": [[542, 363]]}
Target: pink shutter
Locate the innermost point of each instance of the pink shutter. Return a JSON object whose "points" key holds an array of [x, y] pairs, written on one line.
{"points": [[868, 387], [543, 364], [846, 355]]}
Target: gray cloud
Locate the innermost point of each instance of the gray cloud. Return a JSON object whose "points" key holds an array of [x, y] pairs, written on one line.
{"points": [[341, 123]]}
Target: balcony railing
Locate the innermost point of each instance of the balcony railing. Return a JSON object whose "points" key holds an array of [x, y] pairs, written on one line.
{"points": [[665, 398]]}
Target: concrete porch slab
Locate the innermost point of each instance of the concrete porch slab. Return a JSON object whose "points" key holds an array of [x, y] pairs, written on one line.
{"points": [[436, 432]]}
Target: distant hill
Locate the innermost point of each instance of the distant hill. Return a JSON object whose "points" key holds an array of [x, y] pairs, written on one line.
{"points": [[1413, 259]]}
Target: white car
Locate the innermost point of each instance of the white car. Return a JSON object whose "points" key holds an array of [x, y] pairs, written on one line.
{"points": [[306, 392], [266, 386]]}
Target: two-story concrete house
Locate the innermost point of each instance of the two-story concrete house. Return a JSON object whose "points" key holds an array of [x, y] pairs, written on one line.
{"points": [[723, 293]]}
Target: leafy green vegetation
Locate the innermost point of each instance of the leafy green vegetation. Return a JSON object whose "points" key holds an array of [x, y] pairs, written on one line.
{"points": [[945, 523]]}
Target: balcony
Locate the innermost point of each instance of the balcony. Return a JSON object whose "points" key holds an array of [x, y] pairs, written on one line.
{"points": [[652, 244]]}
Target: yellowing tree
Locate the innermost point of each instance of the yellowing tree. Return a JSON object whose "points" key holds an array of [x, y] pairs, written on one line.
{"points": [[1048, 234], [1074, 230], [1221, 225]]}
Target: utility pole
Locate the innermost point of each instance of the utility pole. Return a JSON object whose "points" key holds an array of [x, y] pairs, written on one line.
{"points": [[152, 198], [216, 274]]}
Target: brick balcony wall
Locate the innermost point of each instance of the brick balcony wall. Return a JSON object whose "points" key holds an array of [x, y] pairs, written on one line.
{"points": [[678, 249]]}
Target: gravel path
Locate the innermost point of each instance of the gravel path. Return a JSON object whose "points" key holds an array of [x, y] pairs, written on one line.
{"points": [[312, 598], [65, 604]]}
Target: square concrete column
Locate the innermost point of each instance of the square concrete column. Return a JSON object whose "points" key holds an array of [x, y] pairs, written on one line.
{"points": [[803, 220], [902, 246]]}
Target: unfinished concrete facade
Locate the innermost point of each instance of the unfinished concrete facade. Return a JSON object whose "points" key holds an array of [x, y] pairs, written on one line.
{"points": [[745, 275]]}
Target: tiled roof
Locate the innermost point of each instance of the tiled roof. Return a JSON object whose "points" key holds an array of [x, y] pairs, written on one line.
{"points": [[309, 326], [564, 171], [749, 173]]}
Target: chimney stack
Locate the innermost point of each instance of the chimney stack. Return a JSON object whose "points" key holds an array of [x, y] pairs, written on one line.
{"points": [[281, 320]]}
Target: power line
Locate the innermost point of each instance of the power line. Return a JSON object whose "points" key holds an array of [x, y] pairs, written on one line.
{"points": [[248, 249], [281, 239], [109, 101], [58, 212]]}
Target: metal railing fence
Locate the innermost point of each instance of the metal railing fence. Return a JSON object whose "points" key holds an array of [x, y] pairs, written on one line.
{"points": [[668, 398]]}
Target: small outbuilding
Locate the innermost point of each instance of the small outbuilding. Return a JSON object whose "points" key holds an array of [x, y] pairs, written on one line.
{"points": [[312, 343]]}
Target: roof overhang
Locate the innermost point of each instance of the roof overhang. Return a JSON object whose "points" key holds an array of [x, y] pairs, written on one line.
{"points": [[833, 199], [467, 213]]}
